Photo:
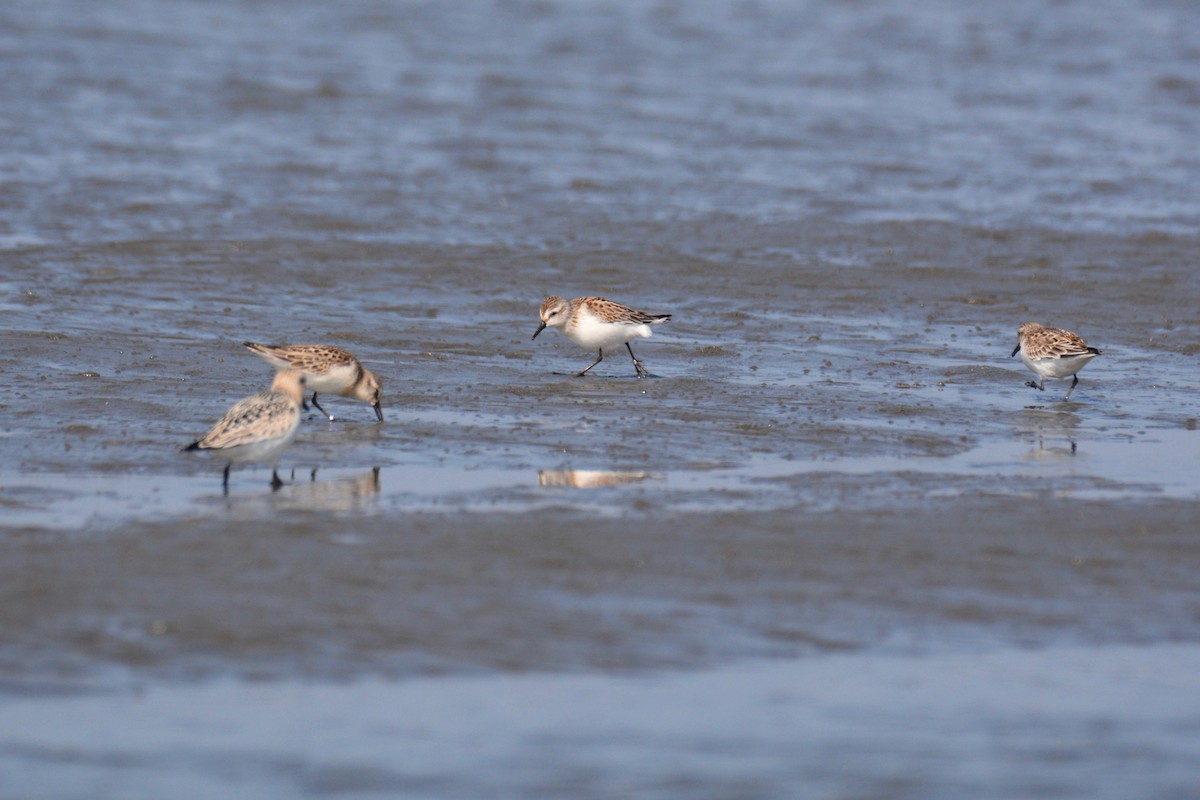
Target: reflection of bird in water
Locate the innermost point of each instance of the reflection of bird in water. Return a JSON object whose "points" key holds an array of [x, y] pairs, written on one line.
{"points": [[1052, 353], [1042, 425], [342, 494], [592, 478], [1042, 450]]}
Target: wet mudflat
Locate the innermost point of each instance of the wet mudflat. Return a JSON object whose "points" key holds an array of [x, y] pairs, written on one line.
{"points": [[834, 546]]}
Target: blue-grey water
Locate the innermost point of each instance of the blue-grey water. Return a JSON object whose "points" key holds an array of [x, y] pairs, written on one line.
{"points": [[834, 548]]}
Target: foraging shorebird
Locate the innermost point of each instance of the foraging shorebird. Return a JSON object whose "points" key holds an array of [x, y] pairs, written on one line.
{"points": [[597, 324]]}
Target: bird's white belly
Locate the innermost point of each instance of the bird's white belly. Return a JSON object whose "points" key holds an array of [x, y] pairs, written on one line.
{"points": [[266, 451], [1057, 367], [593, 334], [333, 381]]}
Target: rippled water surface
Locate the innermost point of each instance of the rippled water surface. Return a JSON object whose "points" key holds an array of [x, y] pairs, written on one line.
{"points": [[833, 547]]}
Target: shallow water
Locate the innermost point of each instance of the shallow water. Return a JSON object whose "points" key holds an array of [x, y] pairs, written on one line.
{"points": [[834, 546], [875, 726]]}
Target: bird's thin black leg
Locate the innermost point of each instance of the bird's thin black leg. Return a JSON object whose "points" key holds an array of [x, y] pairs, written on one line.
{"points": [[641, 371], [599, 358], [319, 408], [1071, 388], [225, 479], [275, 482]]}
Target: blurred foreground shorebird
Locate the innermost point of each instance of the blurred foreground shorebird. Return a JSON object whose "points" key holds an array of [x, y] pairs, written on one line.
{"points": [[258, 428], [326, 369], [1052, 353], [597, 324]]}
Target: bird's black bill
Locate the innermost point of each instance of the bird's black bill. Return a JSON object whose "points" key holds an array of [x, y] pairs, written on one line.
{"points": [[541, 328], [1016, 350]]}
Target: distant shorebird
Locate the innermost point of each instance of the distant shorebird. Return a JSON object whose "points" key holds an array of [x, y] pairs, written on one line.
{"points": [[326, 369], [1052, 353], [258, 428], [597, 324]]}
